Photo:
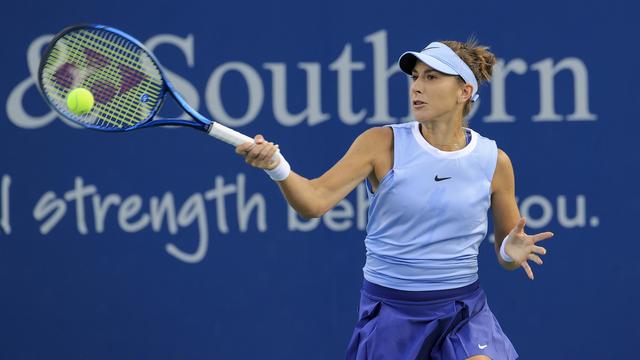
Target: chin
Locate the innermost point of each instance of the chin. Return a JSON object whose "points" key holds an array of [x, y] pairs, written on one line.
{"points": [[422, 117], [428, 116]]}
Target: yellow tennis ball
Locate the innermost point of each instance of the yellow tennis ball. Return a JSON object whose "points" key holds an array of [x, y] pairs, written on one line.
{"points": [[80, 101]]}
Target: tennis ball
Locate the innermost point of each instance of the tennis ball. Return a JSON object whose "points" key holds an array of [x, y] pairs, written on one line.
{"points": [[80, 101]]}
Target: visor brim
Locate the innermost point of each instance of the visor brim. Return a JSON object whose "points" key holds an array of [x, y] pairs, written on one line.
{"points": [[408, 61]]}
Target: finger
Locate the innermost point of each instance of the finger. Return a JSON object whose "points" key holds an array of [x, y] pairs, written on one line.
{"points": [[259, 155], [259, 139], [541, 236], [242, 148], [539, 250], [252, 154], [527, 269], [271, 154], [535, 258], [248, 150], [262, 155], [273, 163], [520, 225]]}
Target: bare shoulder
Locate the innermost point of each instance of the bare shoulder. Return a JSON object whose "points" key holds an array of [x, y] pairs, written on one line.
{"points": [[373, 142], [504, 162], [376, 137], [378, 144], [503, 174]]}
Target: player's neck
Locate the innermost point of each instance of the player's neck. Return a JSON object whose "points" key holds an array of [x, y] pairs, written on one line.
{"points": [[444, 135]]}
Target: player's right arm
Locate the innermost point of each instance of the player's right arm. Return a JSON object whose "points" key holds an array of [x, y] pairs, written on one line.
{"points": [[313, 197]]}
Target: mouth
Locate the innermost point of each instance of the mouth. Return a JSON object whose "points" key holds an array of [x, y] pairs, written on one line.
{"points": [[418, 103]]}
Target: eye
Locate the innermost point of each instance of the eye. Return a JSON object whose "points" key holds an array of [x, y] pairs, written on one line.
{"points": [[431, 77], [414, 77]]}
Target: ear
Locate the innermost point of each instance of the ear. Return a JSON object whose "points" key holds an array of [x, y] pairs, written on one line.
{"points": [[465, 93]]}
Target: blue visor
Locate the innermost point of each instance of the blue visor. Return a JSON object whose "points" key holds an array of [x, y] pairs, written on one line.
{"points": [[441, 58]]}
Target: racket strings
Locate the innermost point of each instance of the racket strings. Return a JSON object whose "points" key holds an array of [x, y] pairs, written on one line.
{"points": [[99, 92], [129, 56], [107, 91], [126, 84]]}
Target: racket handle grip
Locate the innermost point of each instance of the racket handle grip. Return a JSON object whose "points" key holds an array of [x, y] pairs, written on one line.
{"points": [[228, 135], [233, 137]]}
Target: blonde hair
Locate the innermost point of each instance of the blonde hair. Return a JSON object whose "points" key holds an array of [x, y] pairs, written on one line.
{"points": [[479, 59]]}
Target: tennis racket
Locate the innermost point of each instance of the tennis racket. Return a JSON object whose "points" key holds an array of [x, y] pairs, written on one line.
{"points": [[126, 80]]}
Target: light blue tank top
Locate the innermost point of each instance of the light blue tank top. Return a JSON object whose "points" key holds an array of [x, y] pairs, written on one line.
{"points": [[429, 214]]}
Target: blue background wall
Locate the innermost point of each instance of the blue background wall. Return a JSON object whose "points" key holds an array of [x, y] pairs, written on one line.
{"points": [[206, 281]]}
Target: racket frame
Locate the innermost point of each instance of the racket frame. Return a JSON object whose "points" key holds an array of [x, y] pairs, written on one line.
{"points": [[202, 123]]}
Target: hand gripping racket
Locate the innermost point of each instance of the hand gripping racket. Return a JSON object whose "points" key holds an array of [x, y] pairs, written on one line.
{"points": [[126, 80]]}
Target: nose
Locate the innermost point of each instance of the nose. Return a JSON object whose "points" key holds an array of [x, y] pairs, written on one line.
{"points": [[415, 88]]}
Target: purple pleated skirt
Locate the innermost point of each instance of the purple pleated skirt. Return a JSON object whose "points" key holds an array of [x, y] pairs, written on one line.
{"points": [[440, 325]]}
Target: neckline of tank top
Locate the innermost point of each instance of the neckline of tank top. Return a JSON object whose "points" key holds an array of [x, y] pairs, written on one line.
{"points": [[441, 153]]}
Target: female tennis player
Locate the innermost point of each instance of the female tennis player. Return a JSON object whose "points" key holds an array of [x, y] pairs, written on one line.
{"points": [[430, 185]]}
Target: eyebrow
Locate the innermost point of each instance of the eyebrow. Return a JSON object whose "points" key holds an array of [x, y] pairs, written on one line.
{"points": [[426, 71]]}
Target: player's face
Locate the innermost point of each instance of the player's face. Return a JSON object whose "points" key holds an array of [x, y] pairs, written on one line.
{"points": [[433, 94]]}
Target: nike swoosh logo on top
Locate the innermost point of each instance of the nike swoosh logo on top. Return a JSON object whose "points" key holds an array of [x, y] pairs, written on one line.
{"points": [[440, 179], [482, 347]]}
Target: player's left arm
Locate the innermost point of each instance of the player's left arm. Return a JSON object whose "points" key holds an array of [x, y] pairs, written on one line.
{"points": [[507, 220]]}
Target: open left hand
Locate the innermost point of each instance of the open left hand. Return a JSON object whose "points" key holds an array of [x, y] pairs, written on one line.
{"points": [[522, 247]]}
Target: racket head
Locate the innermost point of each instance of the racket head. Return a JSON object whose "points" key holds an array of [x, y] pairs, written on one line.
{"points": [[126, 80]]}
